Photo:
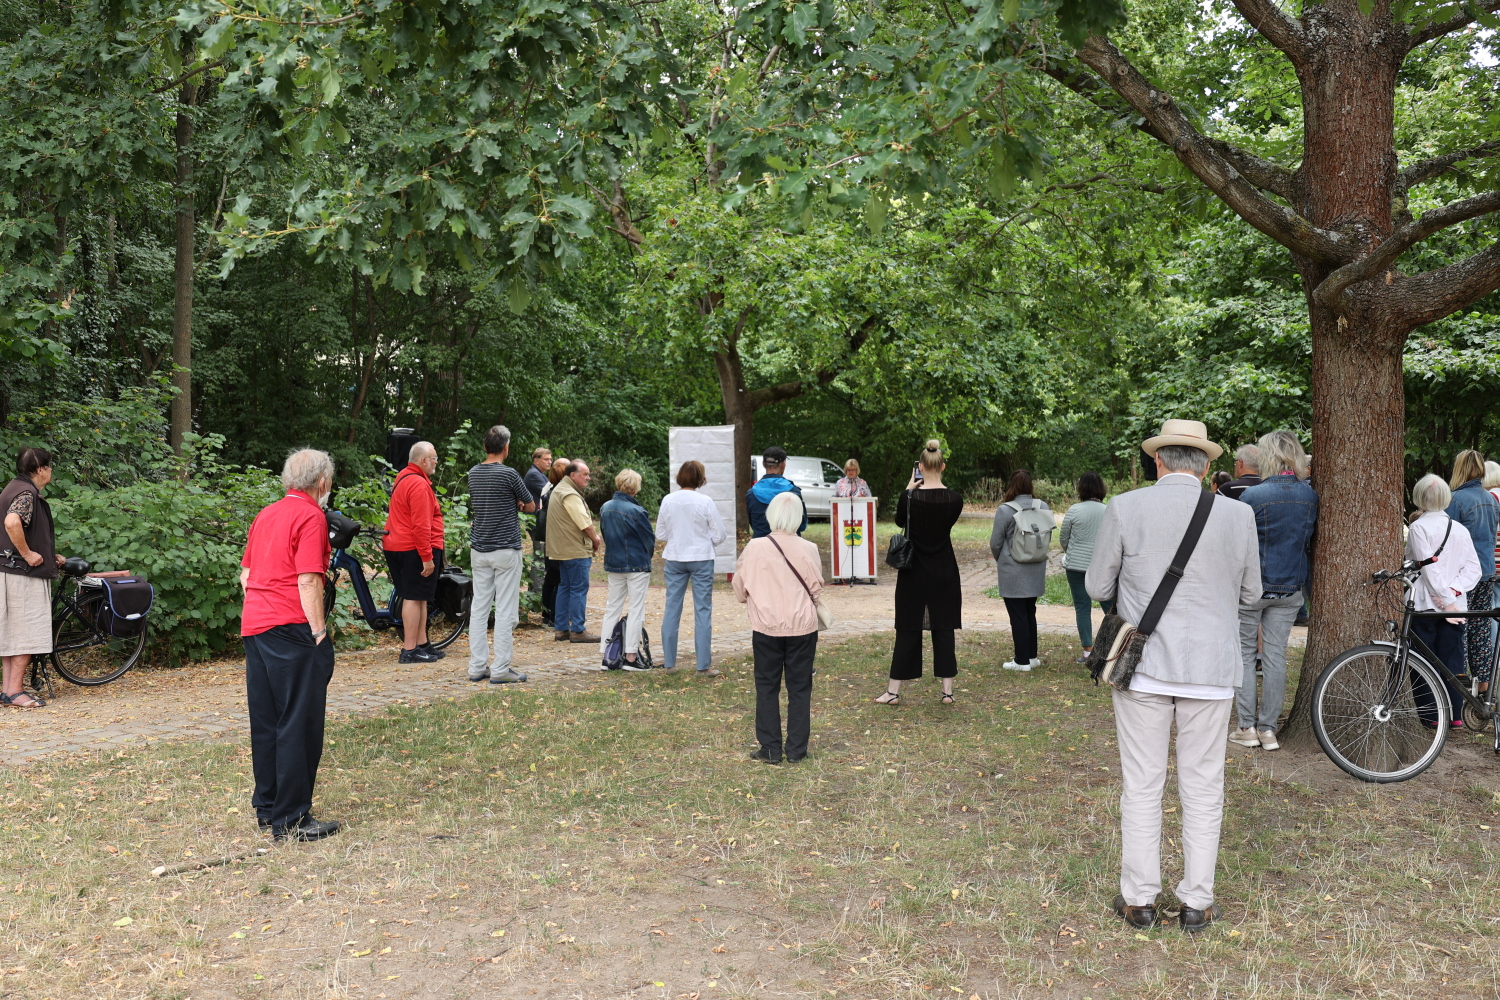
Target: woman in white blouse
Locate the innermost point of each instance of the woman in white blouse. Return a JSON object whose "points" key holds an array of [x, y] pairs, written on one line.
{"points": [[690, 525], [1443, 583]]}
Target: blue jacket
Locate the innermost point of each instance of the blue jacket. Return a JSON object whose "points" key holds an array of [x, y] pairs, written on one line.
{"points": [[1475, 509], [759, 496], [629, 539], [1286, 516]]}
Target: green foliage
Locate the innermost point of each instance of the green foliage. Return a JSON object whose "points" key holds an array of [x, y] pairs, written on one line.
{"points": [[100, 443]]}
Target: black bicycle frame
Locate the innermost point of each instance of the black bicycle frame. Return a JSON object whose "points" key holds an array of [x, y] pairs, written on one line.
{"points": [[1405, 642]]}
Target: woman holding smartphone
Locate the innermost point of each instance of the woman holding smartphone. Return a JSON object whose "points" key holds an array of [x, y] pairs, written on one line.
{"points": [[929, 597]]}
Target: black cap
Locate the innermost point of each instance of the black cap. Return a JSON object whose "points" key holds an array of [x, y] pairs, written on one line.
{"points": [[774, 456]]}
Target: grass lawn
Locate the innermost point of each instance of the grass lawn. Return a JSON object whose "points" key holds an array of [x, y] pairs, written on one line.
{"points": [[612, 840]]}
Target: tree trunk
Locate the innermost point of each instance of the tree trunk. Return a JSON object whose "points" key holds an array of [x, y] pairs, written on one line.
{"points": [[367, 368], [739, 412], [1359, 429], [182, 269]]}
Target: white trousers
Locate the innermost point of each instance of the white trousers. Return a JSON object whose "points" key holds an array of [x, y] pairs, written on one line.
{"points": [[1143, 723], [625, 589], [497, 584]]}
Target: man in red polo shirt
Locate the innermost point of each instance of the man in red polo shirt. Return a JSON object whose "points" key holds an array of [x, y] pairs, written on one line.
{"points": [[288, 654], [414, 550]]}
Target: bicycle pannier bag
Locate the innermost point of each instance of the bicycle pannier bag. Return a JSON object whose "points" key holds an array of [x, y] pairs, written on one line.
{"points": [[455, 592], [1033, 535], [127, 601]]}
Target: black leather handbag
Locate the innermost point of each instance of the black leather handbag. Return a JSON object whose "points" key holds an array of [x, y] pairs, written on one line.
{"points": [[898, 554]]}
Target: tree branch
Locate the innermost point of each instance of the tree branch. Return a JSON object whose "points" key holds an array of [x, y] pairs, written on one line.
{"points": [[1277, 221], [1428, 297], [188, 75], [1263, 173], [1404, 238], [1426, 170], [790, 390], [1441, 28], [1278, 28]]}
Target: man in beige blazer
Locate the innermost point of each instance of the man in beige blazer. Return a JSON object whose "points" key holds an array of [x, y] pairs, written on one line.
{"points": [[1189, 668]]}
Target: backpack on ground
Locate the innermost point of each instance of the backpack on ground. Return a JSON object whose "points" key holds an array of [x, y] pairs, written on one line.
{"points": [[614, 649], [1033, 535]]}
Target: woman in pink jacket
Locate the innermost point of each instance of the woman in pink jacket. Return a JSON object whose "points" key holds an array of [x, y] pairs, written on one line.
{"points": [[778, 579]]}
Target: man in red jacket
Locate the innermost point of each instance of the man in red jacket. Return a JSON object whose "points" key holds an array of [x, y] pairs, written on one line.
{"points": [[414, 549]]}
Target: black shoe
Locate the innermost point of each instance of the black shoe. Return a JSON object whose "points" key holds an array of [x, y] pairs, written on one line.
{"points": [[418, 655], [765, 758], [309, 829], [1193, 921], [1301, 620], [264, 824], [436, 654], [1142, 917], [793, 760]]}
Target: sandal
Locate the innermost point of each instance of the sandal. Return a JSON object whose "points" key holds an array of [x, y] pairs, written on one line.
{"points": [[10, 700], [888, 697], [947, 698]]}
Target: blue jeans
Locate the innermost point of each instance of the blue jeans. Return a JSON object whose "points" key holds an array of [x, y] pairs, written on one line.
{"points": [[1083, 607], [678, 575], [572, 594]]}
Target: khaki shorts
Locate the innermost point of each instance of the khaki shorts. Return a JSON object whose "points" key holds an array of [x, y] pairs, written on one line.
{"points": [[25, 615]]}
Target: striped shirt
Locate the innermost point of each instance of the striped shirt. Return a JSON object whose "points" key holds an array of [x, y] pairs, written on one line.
{"points": [[495, 522]]}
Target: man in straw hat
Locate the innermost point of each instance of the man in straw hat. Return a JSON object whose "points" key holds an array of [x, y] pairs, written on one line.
{"points": [[1188, 670]]}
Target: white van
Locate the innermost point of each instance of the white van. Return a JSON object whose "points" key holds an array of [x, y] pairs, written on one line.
{"points": [[815, 477]]}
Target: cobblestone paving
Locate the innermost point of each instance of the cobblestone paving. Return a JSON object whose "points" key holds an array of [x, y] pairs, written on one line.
{"points": [[208, 702]]}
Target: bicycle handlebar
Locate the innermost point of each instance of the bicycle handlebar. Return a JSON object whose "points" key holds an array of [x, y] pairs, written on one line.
{"points": [[1408, 572]]}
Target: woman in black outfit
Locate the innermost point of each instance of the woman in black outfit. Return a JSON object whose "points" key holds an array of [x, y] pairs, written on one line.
{"points": [[928, 594]]}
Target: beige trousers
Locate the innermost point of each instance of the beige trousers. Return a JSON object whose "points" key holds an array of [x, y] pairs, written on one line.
{"points": [[1143, 723]]}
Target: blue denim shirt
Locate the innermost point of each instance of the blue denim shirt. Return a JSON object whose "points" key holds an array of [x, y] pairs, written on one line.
{"points": [[628, 537], [1286, 516], [1475, 509]]}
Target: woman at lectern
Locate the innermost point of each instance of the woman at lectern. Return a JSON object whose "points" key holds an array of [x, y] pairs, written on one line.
{"points": [[929, 596], [851, 485]]}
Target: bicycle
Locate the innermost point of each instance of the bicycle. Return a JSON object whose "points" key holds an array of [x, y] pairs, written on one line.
{"points": [[82, 652], [1381, 711], [443, 628]]}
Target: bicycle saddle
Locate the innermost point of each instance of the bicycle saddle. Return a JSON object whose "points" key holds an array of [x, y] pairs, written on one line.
{"points": [[74, 566]]}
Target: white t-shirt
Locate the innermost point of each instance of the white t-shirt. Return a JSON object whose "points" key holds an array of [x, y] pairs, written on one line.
{"points": [[1203, 692]]}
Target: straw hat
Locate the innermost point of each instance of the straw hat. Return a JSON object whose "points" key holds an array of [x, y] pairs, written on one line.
{"points": [[1191, 433]]}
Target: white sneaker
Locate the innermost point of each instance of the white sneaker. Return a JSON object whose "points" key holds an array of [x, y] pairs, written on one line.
{"points": [[1245, 737], [1268, 740], [1035, 662], [1012, 665]]}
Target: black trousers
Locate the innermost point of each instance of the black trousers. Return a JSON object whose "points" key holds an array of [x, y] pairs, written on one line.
{"points": [[791, 656], [286, 685], [1447, 641], [549, 591], [906, 659], [1022, 614]]}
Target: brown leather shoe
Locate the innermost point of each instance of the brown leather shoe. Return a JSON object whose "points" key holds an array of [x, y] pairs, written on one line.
{"points": [[1143, 917], [583, 637], [1194, 921], [561, 636]]}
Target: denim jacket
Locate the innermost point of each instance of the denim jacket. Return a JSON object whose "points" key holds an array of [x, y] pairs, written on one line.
{"points": [[628, 537], [1475, 509], [1286, 516]]}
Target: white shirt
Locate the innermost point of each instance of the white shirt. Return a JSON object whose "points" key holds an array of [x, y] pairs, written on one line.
{"points": [[690, 524], [1204, 692], [1456, 571]]}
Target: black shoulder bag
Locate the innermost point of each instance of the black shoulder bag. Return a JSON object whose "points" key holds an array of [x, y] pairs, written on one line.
{"points": [[898, 555], [1119, 644]]}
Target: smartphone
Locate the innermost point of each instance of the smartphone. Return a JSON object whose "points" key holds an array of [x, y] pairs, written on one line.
{"points": [[916, 471]]}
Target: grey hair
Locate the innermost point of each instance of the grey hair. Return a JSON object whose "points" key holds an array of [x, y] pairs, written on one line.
{"points": [[1431, 493], [1181, 458], [1280, 451], [305, 468], [1491, 475], [1246, 455], [784, 512], [421, 450]]}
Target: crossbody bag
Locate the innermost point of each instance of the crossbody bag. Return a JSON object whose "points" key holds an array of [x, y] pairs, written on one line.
{"points": [[825, 616], [1119, 644]]}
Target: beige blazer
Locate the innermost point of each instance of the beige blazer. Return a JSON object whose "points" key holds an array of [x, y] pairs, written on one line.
{"points": [[1198, 638]]}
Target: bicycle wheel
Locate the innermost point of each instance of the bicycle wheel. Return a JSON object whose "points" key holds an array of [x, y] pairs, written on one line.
{"points": [[442, 628], [1369, 738], [86, 656]]}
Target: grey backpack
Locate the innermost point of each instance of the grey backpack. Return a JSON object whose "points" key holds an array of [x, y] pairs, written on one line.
{"points": [[1033, 534]]}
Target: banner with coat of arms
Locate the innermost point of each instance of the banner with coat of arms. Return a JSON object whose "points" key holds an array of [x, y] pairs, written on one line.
{"points": [[852, 538]]}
